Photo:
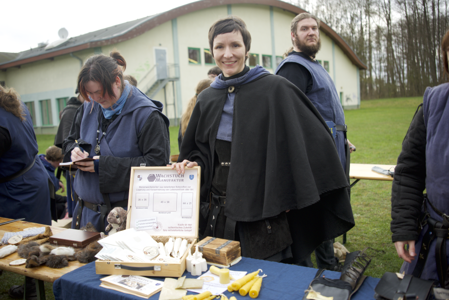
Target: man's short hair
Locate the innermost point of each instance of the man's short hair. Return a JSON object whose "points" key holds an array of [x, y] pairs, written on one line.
{"points": [[214, 70], [53, 153], [299, 18]]}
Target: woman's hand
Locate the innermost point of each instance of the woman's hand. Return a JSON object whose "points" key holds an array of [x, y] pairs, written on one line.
{"points": [[61, 185], [87, 166], [180, 167], [406, 254], [77, 154]]}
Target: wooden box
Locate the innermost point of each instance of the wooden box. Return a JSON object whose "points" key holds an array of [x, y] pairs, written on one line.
{"points": [[74, 238], [220, 251], [165, 205]]}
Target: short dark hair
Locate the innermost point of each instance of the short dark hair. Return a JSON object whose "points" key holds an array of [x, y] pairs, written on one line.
{"points": [[53, 153], [226, 25], [214, 70], [104, 70], [444, 49]]}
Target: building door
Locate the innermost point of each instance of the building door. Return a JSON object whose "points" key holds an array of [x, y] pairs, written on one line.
{"points": [[161, 63]]}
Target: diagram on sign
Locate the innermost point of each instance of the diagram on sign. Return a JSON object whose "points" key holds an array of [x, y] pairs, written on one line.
{"points": [[164, 202]]}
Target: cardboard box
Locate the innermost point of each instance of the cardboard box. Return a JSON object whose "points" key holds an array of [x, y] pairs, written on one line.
{"points": [[165, 205], [219, 251]]}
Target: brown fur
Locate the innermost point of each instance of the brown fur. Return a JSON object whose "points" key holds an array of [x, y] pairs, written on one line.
{"points": [[117, 216], [87, 255], [89, 227], [28, 249], [57, 261]]}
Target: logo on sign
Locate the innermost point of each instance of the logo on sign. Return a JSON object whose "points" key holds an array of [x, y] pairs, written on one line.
{"points": [[191, 177]]}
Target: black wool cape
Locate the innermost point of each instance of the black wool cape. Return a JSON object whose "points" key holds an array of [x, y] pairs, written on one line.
{"points": [[283, 157]]}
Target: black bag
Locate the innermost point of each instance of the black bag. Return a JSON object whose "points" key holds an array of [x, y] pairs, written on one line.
{"points": [[409, 288]]}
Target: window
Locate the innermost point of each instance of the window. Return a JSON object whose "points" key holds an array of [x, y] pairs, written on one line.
{"points": [[62, 102], [326, 65], [266, 61], [253, 59], [279, 59], [30, 106], [46, 112], [208, 59], [194, 56]]}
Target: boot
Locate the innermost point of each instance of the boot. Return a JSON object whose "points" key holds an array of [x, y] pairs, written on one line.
{"points": [[17, 291]]}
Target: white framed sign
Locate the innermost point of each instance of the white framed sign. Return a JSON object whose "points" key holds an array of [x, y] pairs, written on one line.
{"points": [[163, 202]]}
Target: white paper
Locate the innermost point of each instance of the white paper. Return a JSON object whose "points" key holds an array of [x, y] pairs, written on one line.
{"points": [[133, 283], [212, 282]]}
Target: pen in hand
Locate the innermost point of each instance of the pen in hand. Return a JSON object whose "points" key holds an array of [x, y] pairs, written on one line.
{"points": [[81, 148]]}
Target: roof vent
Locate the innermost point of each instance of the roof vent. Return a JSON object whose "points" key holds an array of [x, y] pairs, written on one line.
{"points": [[42, 44]]}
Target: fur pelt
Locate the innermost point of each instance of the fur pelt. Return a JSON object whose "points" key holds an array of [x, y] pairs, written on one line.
{"points": [[57, 261], [89, 227], [26, 250], [87, 255], [117, 216]]}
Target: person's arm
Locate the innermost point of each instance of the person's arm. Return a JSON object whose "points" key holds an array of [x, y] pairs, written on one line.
{"points": [[154, 143], [298, 75], [408, 187], [5, 141], [74, 135]]}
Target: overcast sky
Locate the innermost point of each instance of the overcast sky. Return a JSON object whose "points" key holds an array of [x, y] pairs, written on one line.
{"points": [[25, 23]]}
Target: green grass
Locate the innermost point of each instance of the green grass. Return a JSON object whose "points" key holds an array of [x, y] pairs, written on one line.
{"points": [[377, 130]]}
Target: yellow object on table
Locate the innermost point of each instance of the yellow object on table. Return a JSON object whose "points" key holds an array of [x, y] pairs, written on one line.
{"points": [[236, 285], [223, 273], [255, 289], [188, 297], [243, 291], [232, 298], [202, 296]]}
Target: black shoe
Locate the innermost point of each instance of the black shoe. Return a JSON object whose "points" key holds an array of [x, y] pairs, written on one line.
{"points": [[17, 291]]}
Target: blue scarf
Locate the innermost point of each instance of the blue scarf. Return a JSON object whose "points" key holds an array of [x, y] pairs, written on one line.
{"points": [[225, 128], [117, 107]]}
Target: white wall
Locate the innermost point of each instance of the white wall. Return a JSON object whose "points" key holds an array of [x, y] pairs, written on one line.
{"points": [[52, 79]]}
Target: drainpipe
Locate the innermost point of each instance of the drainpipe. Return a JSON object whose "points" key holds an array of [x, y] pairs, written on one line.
{"points": [[81, 61]]}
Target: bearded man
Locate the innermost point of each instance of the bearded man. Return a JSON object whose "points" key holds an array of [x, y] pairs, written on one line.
{"points": [[301, 68]]}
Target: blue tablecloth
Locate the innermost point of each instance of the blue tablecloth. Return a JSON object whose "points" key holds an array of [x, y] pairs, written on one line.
{"points": [[283, 282]]}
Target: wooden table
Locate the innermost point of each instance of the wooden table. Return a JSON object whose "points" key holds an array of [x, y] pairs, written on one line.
{"points": [[42, 273], [364, 171]]}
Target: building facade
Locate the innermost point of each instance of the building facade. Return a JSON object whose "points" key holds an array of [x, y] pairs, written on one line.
{"points": [[168, 54]]}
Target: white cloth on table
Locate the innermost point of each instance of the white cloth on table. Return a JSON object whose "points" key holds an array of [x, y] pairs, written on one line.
{"points": [[24, 234]]}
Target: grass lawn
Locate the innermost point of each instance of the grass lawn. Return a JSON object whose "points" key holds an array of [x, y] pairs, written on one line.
{"points": [[377, 130]]}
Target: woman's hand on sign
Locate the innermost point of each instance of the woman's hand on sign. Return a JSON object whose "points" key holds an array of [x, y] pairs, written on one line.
{"points": [[180, 167]]}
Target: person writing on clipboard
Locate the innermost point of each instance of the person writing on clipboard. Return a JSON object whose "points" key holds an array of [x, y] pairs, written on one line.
{"points": [[119, 127]]}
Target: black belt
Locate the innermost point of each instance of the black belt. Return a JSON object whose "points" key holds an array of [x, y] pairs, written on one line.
{"points": [[17, 174], [341, 128], [440, 231], [217, 203], [103, 209]]}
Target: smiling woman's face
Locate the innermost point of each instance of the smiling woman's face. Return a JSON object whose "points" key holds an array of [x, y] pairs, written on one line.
{"points": [[230, 53]]}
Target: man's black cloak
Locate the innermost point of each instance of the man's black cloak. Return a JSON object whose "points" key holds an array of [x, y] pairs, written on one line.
{"points": [[283, 158]]}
